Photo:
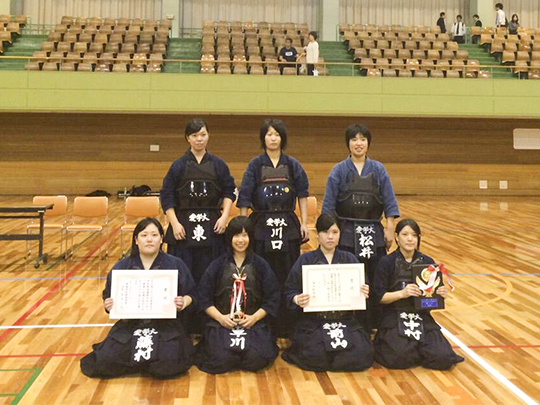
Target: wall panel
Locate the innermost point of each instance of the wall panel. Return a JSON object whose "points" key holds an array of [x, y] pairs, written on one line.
{"points": [[401, 12], [77, 153], [51, 11]]}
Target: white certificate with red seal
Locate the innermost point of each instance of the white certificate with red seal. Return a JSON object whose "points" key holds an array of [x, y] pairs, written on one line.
{"points": [[144, 294], [334, 287]]}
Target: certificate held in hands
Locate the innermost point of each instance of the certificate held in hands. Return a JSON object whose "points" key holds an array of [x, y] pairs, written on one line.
{"points": [[144, 294], [334, 287]]}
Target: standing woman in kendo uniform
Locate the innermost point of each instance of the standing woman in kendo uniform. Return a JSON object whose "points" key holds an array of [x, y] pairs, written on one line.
{"points": [[271, 185], [197, 195], [358, 191], [399, 343], [156, 347]]}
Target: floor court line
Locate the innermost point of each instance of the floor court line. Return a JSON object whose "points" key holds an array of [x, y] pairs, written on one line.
{"points": [[7, 356], [57, 285], [88, 325], [52, 278], [486, 366]]}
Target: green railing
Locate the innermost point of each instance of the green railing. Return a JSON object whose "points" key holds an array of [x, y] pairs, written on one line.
{"points": [[324, 68]]}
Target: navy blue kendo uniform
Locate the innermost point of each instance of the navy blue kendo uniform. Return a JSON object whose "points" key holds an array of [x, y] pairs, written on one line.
{"points": [[223, 349], [398, 344], [359, 202], [272, 194], [172, 352], [196, 191], [313, 347]]}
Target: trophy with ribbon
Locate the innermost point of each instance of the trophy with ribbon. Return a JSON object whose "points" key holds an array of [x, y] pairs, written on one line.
{"points": [[429, 278], [238, 297]]}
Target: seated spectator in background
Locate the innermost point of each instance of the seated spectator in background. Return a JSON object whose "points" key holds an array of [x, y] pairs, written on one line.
{"points": [[458, 30], [477, 23], [441, 23], [513, 25], [500, 20], [288, 54]]}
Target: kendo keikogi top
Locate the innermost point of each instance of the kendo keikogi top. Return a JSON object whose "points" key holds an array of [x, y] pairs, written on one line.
{"points": [[272, 192], [359, 202], [393, 274], [196, 191]]}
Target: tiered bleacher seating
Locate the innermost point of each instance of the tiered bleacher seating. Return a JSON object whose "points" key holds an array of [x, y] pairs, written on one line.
{"points": [[104, 45], [415, 51], [241, 47], [521, 51], [10, 27]]}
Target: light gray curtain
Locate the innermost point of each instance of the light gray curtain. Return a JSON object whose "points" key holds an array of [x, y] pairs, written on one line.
{"points": [[528, 12], [297, 11], [403, 12], [51, 11]]}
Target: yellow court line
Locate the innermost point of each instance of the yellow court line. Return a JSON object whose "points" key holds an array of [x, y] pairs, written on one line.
{"points": [[506, 293]]}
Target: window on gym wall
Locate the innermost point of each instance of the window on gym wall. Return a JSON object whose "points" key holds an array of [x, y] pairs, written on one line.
{"points": [[526, 138]]}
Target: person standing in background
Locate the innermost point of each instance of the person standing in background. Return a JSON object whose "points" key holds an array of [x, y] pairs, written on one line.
{"points": [[441, 23], [500, 20], [477, 23], [458, 30], [312, 53]]}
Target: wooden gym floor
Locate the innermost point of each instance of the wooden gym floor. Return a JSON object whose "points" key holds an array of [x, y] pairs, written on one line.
{"points": [[491, 246]]}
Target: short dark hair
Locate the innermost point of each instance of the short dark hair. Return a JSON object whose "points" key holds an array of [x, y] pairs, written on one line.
{"points": [[442, 14], [280, 128], [459, 16], [414, 226], [141, 226], [288, 39], [355, 129], [314, 34], [238, 225], [477, 16], [325, 222], [499, 5], [194, 125]]}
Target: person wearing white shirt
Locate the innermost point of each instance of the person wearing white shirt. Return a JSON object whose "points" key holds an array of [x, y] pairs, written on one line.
{"points": [[458, 30], [312, 53], [500, 20]]}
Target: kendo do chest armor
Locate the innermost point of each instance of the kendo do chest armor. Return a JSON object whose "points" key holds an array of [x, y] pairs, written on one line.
{"points": [[360, 200], [403, 275], [224, 288], [199, 187], [275, 192]]}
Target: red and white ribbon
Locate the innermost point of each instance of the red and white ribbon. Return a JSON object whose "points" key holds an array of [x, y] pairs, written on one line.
{"points": [[238, 295], [433, 276]]}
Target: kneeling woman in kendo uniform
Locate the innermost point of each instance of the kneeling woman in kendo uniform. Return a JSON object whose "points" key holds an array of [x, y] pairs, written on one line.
{"points": [[160, 347], [325, 341], [408, 337], [238, 292]]}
